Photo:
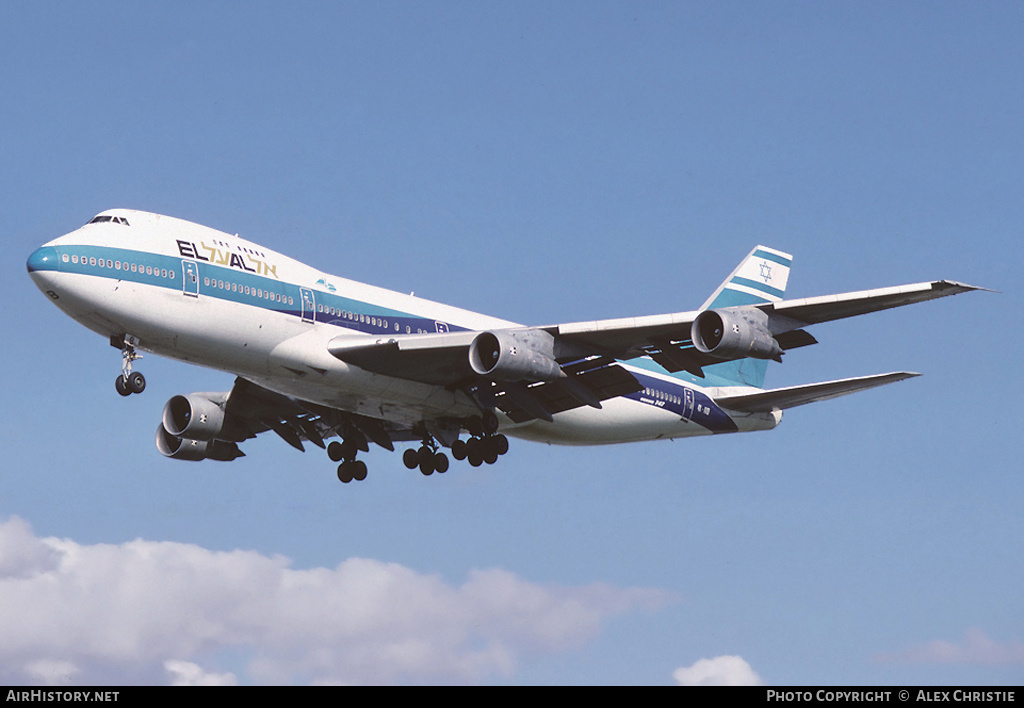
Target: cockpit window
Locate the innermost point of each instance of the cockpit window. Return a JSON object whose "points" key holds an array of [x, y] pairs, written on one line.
{"points": [[113, 219]]}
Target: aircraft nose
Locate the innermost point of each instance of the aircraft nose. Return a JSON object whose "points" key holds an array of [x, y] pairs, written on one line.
{"points": [[44, 258]]}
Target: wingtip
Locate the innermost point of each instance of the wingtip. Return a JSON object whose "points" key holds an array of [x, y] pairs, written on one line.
{"points": [[896, 376], [961, 287]]}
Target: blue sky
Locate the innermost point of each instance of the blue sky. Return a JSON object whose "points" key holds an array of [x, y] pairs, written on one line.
{"points": [[543, 163]]}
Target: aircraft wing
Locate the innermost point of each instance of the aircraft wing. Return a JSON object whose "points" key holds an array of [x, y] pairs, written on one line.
{"points": [[443, 359], [635, 333], [587, 352], [666, 338], [253, 409]]}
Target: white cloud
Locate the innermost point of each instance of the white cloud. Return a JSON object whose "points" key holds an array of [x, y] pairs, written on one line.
{"points": [[21, 553], [147, 611], [976, 648], [720, 671], [185, 673]]}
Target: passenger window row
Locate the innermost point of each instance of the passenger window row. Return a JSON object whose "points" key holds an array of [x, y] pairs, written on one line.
{"points": [[662, 396], [355, 317], [229, 286], [117, 265]]}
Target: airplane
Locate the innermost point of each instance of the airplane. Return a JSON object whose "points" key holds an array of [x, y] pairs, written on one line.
{"points": [[316, 356]]}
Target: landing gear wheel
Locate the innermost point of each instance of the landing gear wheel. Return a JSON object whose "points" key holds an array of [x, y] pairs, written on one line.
{"points": [[475, 452], [411, 458], [352, 469], [440, 463], [122, 386], [490, 450], [335, 451], [345, 472], [501, 442], [426, 458], [459, 449], [136, 382], [358, 470]]}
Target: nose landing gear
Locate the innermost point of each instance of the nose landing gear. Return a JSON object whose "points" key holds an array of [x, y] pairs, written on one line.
{"points": [[129, 382]]}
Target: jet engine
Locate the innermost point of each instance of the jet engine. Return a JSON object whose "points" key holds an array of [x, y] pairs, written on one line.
{"points": [[191, 425], [178, 448], [735, 334], [193, 417], [515, 355]]}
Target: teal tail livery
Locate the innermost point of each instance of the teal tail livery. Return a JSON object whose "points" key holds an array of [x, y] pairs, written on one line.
{"points": [[324, 360], [760, 278]]}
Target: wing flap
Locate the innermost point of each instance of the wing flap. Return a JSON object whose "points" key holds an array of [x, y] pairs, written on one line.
{"points": [[792, 396], [253, 409], [553, 397], [440, 359]]}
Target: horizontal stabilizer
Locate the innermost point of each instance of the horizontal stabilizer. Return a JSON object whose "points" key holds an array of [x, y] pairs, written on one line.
{"points": [[792, 396]]}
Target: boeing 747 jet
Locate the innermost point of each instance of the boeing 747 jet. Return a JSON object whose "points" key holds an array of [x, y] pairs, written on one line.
{"points": [[318, 357]]}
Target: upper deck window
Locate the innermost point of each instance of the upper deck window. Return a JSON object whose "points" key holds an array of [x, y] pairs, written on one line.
{"points": [[112, 219]]}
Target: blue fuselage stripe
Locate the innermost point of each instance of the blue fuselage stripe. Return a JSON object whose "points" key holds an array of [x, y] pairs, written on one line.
{"points": [[234, 285], [684, 401]]}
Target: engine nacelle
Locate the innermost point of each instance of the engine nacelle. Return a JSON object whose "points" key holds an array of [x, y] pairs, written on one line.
{"points": [[178, 448], [193, 417], [734, 334], [515, 355]]}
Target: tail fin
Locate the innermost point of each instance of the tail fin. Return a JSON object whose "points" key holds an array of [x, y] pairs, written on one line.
{"points": [[761, 277]]}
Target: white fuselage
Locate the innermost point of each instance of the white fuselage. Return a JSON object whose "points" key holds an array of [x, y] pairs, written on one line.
{"points": [[199, 295]]}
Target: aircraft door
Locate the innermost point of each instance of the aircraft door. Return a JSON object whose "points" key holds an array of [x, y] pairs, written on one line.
{"points": [[688, 403], [308, 304], [190, 278]]}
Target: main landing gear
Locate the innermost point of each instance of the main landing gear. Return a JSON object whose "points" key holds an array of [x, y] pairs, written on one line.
{"points": [[426, 457], [345, 453], [485, 444], [478, 450], [129, 382]]}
